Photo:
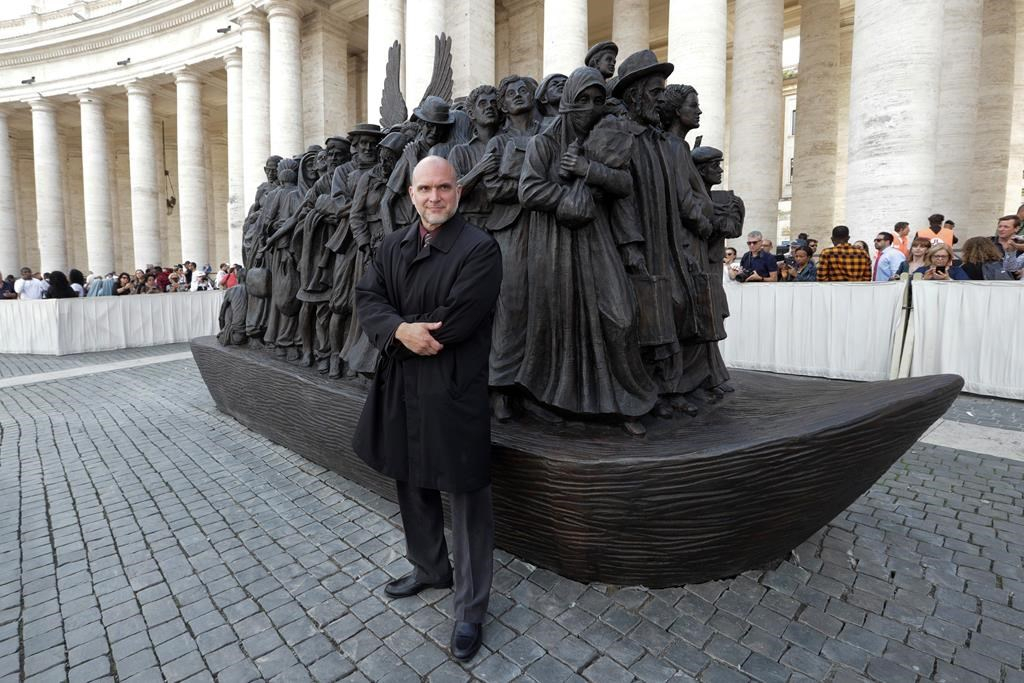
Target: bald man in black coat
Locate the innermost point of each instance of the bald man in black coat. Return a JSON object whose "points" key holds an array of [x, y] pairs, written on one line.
{"points": [[427, 303]]}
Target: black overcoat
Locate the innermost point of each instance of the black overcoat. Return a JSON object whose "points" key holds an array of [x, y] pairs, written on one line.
{"points": [[427, 418]]}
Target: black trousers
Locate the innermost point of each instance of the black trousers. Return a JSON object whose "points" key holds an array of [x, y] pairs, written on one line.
{"points": [[472, 544]]}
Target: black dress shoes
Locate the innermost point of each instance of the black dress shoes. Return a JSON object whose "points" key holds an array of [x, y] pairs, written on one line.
{"points": [[408, 585], [466, 639]]}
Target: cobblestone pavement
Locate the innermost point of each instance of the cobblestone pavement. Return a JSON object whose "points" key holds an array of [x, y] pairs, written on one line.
{"points": [[144, 536]]}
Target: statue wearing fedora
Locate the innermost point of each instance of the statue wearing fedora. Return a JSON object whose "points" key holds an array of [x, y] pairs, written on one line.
{"points": [[364, 138], [434, 122], [660, 270]]}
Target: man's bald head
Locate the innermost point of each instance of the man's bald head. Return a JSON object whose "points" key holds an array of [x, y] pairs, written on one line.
{"points": [[434, 191], [433, 164]]}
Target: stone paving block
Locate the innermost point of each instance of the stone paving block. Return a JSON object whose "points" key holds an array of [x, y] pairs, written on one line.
{"points": [[547, 668], [332, 667], [276, 662]]}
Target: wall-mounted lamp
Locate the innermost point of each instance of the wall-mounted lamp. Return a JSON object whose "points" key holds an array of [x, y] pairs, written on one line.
{"points": [[29, 81], [125, 62], [226, 29]]}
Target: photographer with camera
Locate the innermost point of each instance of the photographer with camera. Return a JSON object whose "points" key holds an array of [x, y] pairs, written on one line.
{"points": [[757, 265], [798, 266]]}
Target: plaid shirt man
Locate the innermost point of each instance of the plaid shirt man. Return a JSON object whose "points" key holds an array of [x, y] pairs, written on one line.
{"points": [[844, 263]]}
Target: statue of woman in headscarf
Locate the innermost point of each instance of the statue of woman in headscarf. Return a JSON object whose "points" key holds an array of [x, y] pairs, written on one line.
{"points": [[583, 352]]}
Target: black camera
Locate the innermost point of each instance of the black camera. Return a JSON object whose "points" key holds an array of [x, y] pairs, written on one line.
{"points": [[743, 275]]}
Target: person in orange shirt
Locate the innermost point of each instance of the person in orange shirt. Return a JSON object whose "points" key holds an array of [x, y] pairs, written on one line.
{"points": [[936, 232], [901, 238]]}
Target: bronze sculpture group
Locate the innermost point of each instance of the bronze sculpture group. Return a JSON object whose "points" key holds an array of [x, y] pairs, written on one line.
{"points": [[610, 308], [611, 237]]}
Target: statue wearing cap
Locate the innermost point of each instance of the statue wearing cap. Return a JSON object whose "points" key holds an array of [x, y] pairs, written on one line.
{"points": [[665, 290], [470, 162], [351, 350], [434, 122], [508, 224], [728, 223], [602, 57]]}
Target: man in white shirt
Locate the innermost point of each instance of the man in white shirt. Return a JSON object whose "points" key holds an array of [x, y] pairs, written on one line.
{"points": [[222, 275], [887, 258], [28, 287]]}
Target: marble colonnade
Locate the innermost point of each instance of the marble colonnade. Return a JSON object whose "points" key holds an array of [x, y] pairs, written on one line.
{"points": [[849, 166]]}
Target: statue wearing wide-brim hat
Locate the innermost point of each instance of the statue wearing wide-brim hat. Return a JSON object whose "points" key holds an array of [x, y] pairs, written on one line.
{"points": [[637, 66], [434, 110], [371, 129]]}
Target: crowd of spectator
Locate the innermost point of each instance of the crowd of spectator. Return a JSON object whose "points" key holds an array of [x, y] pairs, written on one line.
{"points": [[185, 277], [928, 254]]}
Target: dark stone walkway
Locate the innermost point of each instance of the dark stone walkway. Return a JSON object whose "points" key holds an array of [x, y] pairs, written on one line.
{"points": [[144, 536]]}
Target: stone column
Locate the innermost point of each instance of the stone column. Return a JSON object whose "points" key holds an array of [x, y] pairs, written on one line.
{"points": [[565, 35], [99, 218], [1015, 169], [843, 116], [144, 182], [755, 161], [49, 173], [10, 260], [423, 20], [696, 45], [993, 134], [285, 78], [326, 66], [814, 159], [631, 26], [255, 100], [236, 164], [958, 99], [385, 25], [471, 26], [894, 110], [192, 181]]}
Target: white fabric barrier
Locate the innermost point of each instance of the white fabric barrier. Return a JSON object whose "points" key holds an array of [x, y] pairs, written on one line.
{"points": [[64, 326], [843, 330], [972, 329]]}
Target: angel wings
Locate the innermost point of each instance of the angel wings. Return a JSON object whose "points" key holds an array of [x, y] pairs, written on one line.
{"points": [[393, 109]]}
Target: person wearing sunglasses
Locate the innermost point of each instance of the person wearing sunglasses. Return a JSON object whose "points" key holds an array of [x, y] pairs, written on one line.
{"points": [[757, 265]]}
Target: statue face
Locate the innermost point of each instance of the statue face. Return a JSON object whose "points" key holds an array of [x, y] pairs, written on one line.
{"points": [[592, 99], [649, 95], [271, 172], [711, 172], [335, 156], [432, 133], [485, 110], [364, 148], [689, 113], [518, 98], [388, 158], [605, 63], [553, 95]]}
